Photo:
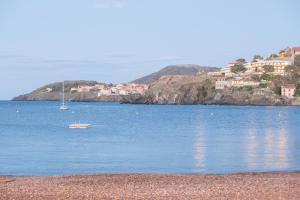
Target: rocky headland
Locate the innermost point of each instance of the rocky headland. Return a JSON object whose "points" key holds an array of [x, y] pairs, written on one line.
{"points": [[200, 90]]}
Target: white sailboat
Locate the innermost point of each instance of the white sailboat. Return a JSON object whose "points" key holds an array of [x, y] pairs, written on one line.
{"points": [[63, 105]]}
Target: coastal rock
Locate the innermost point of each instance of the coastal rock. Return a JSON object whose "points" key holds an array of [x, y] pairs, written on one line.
{"points": [[199, 90]]}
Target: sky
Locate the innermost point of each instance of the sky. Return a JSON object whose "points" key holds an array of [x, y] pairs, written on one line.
{"points": [[117, 41]]}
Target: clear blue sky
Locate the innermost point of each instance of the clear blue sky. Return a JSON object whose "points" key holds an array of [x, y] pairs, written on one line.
{"points": [[120, 40]]}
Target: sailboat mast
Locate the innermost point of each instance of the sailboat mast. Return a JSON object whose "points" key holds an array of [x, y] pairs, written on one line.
{"points": [[63, 93]]}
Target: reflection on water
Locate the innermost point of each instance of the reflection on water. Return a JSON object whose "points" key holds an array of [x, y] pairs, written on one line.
{"points": [[251, 149], [200, 150], [282, 148], [268, 146], [260, 143]]}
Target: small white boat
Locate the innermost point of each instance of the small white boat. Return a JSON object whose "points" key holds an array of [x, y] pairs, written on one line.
{"points": [[64, 107], [79, 126]]}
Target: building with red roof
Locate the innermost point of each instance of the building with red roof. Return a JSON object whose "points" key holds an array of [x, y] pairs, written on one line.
{"points": [[296, 51]]}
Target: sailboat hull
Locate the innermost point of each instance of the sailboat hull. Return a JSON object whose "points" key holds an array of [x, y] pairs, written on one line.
{"points": [[64, 108]]}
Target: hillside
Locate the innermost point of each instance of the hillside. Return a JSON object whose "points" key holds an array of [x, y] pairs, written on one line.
{"points": [[199, 90], [55, 94], [184, 69]]}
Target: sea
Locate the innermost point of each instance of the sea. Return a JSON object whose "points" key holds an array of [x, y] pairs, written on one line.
{"points": [[183, 139]]}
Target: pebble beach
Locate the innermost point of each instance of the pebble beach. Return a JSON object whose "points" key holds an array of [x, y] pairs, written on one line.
{"points": [[153, 186]]}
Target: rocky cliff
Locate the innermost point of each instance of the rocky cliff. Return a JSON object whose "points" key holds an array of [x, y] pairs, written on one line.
{"points": [[199, 90]]}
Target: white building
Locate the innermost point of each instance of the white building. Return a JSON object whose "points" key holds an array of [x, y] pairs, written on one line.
{"points": [[48, 89], [221, 85], [279, 66], [104, 92], [242, 83], [288, 90]]}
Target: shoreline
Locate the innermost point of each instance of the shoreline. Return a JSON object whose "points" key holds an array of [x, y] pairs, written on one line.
{"points": [[166, 104], [253, 185]]}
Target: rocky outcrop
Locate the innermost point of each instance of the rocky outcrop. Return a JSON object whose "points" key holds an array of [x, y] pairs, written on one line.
{"points": [[199, 90]]}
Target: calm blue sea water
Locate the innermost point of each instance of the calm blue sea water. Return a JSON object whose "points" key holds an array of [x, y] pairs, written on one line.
{"points": [[35, 140]]}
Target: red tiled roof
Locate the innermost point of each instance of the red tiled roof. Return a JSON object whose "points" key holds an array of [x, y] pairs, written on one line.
{"points": [[296, 49]]}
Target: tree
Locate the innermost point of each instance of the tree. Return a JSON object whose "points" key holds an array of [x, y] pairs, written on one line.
{"points": [[266, 77], [293, 72], [241, 60], [297, 60], [255, 77], [272, 56], [268, 68], [257, 57], [238, 68], [297, 92], [290, 69], [263, 85]]}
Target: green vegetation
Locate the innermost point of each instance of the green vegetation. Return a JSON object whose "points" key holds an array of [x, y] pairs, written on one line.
{"points": [[255, 77], [263, 85], [297, 60], [204, 93], [297, 92], [241, 60], [248, 88], [266, 76], [243, 88], [257, 57], [238, 68], [293, 73], [273, 55], [269, 68], [290, 69]]}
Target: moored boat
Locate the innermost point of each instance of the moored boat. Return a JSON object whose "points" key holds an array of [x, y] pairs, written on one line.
{"points": [[79, 126], [63, 105]]}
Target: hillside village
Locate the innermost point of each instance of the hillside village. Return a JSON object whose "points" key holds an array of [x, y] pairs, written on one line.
{"points": [[278, 74], [258, 74], [110, 89]]}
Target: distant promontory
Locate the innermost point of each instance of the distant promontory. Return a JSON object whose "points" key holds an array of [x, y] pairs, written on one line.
{"points": [[80, 90]]}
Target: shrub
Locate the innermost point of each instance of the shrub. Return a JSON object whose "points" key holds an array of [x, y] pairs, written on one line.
{"points": [[297, 92], [268, 68], [266, 77], [297, 60], [263, 85], [237, 68]]}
